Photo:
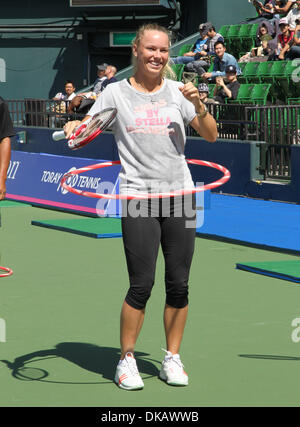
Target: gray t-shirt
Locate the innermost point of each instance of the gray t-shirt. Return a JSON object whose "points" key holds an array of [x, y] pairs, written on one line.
{"points": [[150, 135]]}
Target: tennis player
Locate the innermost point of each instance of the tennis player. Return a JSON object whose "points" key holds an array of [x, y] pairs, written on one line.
{"points": [[6, 131], [149, 131]]}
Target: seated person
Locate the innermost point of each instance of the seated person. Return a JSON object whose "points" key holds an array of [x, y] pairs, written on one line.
{"points": [[203, 90], [261, 49], [61, 107], [202, 62], [83, 101], [228, 90], [265, 10], [283, 40], [221, 61], [194, 53], [69, 92], [293, 15], [292, 49]]}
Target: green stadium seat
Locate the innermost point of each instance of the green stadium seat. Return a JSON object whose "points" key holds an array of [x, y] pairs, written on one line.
{"points": [[291, 82], [211, 87], [260, 93], [264, 74], [242, 77], [245, 40], [264, 71], [224, 30], [250, 72], [253, 32], [185, 48], [244, 95], [232, 40], [293, 101]]}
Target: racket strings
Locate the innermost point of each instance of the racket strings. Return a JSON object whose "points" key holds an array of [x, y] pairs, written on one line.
{"points": [[88, 131]]}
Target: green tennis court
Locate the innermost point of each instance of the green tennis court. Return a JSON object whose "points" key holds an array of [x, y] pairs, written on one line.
{"points": [[61, 312]]}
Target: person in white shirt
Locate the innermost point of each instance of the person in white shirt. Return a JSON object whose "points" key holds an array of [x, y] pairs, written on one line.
{"points": [[69, 92], [293, 15]]}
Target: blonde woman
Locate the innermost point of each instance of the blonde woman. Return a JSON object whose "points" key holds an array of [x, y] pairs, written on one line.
{"points": [[149, 131]]}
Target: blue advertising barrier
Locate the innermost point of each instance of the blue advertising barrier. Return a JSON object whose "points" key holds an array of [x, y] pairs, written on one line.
{"points": [[35, 178]]}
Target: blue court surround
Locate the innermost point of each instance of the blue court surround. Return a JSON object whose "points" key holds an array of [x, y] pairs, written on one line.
{"points": [[284, 270], [252, 222]]}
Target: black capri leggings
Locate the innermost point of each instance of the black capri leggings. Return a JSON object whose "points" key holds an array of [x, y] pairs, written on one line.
{"points": [[174, 228]]}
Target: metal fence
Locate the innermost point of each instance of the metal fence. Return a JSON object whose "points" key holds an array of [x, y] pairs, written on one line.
{"points": [[278, 125], [40, 112]]}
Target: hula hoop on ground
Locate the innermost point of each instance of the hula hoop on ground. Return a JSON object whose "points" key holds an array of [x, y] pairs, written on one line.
{"points": [[8, 271], [221, 181]]}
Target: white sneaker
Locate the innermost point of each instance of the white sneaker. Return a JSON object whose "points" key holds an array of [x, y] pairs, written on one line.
{"points": [[127, 374], [172, 370]]}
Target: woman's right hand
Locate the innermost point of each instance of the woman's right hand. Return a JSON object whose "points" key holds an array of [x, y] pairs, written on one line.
{"points": [[70, 126]]}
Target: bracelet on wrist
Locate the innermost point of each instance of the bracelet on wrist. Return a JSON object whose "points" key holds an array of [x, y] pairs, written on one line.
{"points": [[203, 113]]}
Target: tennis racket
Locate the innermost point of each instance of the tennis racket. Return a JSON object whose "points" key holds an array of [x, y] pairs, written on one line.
{"points": [[88, 130]]}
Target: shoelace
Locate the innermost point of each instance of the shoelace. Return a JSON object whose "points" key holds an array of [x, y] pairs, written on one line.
{"points": [[132, 365], [174, 357]]}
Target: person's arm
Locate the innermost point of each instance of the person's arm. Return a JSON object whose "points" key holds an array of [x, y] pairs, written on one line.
{"points": [[189, 53], [283, 51], [203, 123], [227, 91], [216, 89], [283, 10], [4, 164], [70, 126], [296, 38], [258, 5]]}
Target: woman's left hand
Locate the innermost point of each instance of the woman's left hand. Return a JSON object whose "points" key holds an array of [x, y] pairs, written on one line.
{"points": [[190, 92]]}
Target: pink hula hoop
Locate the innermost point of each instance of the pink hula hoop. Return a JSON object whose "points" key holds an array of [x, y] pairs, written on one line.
{"points": [[9, 271], [221, 181]]}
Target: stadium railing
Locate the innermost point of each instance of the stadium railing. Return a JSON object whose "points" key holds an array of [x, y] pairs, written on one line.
{"points": [[278, 125]]}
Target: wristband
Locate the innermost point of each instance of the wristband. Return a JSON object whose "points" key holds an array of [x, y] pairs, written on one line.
{"points": [[203, 114]]}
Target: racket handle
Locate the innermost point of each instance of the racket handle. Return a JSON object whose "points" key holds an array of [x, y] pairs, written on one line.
{"points": [[58, 135]]}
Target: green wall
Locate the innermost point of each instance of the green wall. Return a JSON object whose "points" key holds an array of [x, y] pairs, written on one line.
{"points": [[36, 65], [39, 69], [225, 12]]}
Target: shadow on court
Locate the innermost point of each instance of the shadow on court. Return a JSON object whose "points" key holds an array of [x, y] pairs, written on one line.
{"points": [[93, 358], [269, 357]]}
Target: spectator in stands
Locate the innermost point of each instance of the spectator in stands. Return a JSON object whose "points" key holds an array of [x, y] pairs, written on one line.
{"points": [[263, 37], [100, 77], [194, 53], [83, 101], [203, 90], [6, 131], [293, 15], [69, 92], [263, 42], [284, 38], [292, 49], [110, 73], [228, 90], [265, 10], [203, 62], [222, 60]]}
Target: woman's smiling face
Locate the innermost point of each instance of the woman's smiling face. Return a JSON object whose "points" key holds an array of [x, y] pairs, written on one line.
{"points": [[152, 52]]}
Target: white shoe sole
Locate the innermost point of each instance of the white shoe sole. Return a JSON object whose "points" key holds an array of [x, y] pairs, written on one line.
{"points": [[163, 377], [130, 388]]}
